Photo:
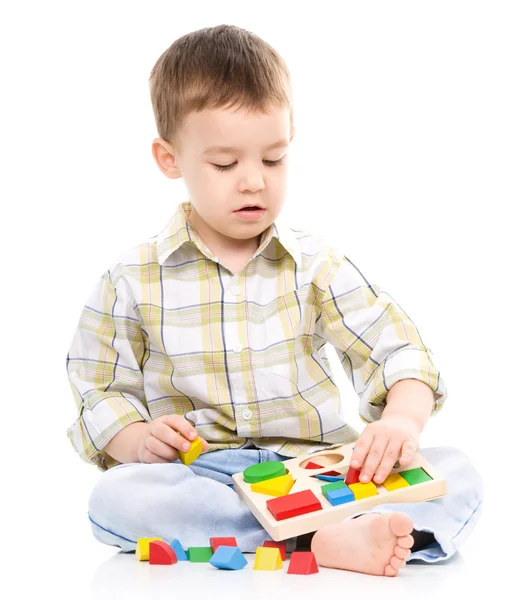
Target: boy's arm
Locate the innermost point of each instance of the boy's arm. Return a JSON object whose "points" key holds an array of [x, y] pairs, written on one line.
{"points": [[103, 366], [378, 346]]}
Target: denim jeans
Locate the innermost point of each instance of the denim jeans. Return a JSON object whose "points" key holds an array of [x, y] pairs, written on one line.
{"points": [[194, 503]]}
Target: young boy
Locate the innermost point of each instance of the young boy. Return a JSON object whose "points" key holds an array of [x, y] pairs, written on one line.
{"points": [[217, 328]]}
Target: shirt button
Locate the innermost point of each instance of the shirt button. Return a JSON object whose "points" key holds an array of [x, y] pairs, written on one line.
{"points": [[235, 290], [247, 414], [238, 348]]}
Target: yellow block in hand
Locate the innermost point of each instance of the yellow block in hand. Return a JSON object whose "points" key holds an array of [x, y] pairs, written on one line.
{"points": [[267, 559], [142, 547], [278, 486], [196, 447]]}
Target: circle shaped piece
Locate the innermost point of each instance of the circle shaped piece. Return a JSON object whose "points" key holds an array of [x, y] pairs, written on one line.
{"points": [[263, 471]]}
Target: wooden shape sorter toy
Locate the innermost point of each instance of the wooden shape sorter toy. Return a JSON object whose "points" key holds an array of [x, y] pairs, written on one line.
{"points": [[306, 507]]}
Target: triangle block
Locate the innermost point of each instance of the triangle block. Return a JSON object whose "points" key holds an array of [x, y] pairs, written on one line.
{"points": [[179, 550], [312, 465], [280, 545], [303, 563], [278, 486], [228, 557], [142, 547], [353, 476], [161, 553], [267, 559]]}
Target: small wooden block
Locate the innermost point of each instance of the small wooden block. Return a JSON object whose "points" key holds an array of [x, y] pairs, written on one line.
{"points": [[336, 485], [142, 547], [363, 490], [280, 545], [161, 553], [353, 476], [292, 505], [394, 482], [216, 542], [278, 486], [340, 496], [267, 559], [179, 550], [332, 473], [265, 470], [414, 476], [328, 478], [199, 554], [312, 465], [228, 557], [303, 563], [196, 447]]}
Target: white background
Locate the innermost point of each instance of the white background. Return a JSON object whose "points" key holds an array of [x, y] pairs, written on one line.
{"points": [[412, 151]]}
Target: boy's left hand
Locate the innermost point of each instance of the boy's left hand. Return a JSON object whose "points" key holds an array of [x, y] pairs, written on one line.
{"points": [[381, 443]]}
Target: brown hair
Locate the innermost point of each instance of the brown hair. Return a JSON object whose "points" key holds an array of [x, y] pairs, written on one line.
{"points": [[216, 67]]}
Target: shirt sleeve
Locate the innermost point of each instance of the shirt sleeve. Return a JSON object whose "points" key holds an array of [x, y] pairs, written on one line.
{"points": [[103, 366], [377, 343]]}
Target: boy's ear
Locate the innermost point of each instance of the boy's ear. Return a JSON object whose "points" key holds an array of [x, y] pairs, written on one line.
{"points": [[164, 156]]}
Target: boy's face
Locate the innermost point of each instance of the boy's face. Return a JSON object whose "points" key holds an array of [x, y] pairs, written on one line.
{"points": [[253, 177]]}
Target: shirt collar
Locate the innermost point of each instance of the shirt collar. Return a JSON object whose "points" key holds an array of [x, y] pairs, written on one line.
{"points": [[179, 230]]}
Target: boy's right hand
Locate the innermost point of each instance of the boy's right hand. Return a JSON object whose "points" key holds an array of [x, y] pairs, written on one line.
{"points": [[164, 437]]}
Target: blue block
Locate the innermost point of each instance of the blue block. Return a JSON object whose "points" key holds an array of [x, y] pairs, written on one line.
{"points": [[228, 557], [340, 496], [329, 477], [179, 550]]}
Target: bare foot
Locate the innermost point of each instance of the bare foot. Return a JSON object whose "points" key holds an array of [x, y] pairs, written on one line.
{"points": [[376, 544]]}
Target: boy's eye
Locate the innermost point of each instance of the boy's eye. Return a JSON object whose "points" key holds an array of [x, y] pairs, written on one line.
{"points": [[269, 163]]}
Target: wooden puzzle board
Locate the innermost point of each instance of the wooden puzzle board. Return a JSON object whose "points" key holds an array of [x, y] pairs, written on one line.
{"points": [[336, 459]]}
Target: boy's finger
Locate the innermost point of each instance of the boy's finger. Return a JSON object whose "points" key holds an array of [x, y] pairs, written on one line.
{"points": [[374, 457], [361, 449], [408, 452], [391, 454], [173, 438], [181, 425]]}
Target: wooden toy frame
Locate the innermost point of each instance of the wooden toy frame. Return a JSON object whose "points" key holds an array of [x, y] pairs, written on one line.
{"points": [[336, 459]]}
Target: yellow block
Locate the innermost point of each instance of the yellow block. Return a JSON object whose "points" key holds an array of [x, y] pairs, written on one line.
{"points": [[196, 447], [142, 547], [395, 481], [278, 486], [363, 490], [267, 559]]}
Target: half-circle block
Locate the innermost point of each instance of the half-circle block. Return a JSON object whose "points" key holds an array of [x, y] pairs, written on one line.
{"points": [[280, 545], [179, 550], [267, 559], [228, 557], [188, 457], [142, 547], [161, 553], [216, 542], [303, 563], [278, 486], [292, 505]]}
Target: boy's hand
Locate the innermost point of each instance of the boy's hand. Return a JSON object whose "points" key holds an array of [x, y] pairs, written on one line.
{"points": [[164, 437], [381, 443]]}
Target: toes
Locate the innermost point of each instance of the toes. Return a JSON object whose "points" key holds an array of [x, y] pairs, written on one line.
{"points": [[404, 553], [389, 571], [400, 524], [397, 563], [406, 542]]}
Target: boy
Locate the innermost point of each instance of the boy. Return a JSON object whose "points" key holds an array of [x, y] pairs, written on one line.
{"points": [[216, 328]]}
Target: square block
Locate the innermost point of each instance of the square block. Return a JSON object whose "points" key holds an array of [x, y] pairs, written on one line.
{"points": [[413, 476], [363, 490], [340, 496], [336, 485], [394, 482]]}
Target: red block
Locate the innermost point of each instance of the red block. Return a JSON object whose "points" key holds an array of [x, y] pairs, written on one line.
{"points": [[333, 473], [303, 563], [312, 465], [300, 503], [280, 545], [222, 541], [161, 553], [353, 476]]}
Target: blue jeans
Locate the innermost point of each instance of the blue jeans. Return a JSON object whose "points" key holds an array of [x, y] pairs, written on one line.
{"points": [[194, 503]]}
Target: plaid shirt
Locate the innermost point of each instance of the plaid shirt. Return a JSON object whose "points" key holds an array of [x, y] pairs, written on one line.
{"points": [[169, 329]]}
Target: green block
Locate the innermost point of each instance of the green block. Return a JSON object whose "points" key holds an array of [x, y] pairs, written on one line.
{"points": [[413, 476], [336, 485], [201, 554], [263, 471]]}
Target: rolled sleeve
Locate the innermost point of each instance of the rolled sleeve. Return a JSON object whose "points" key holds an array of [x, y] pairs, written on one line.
{"points": [[103, 366], [377, 343]]}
